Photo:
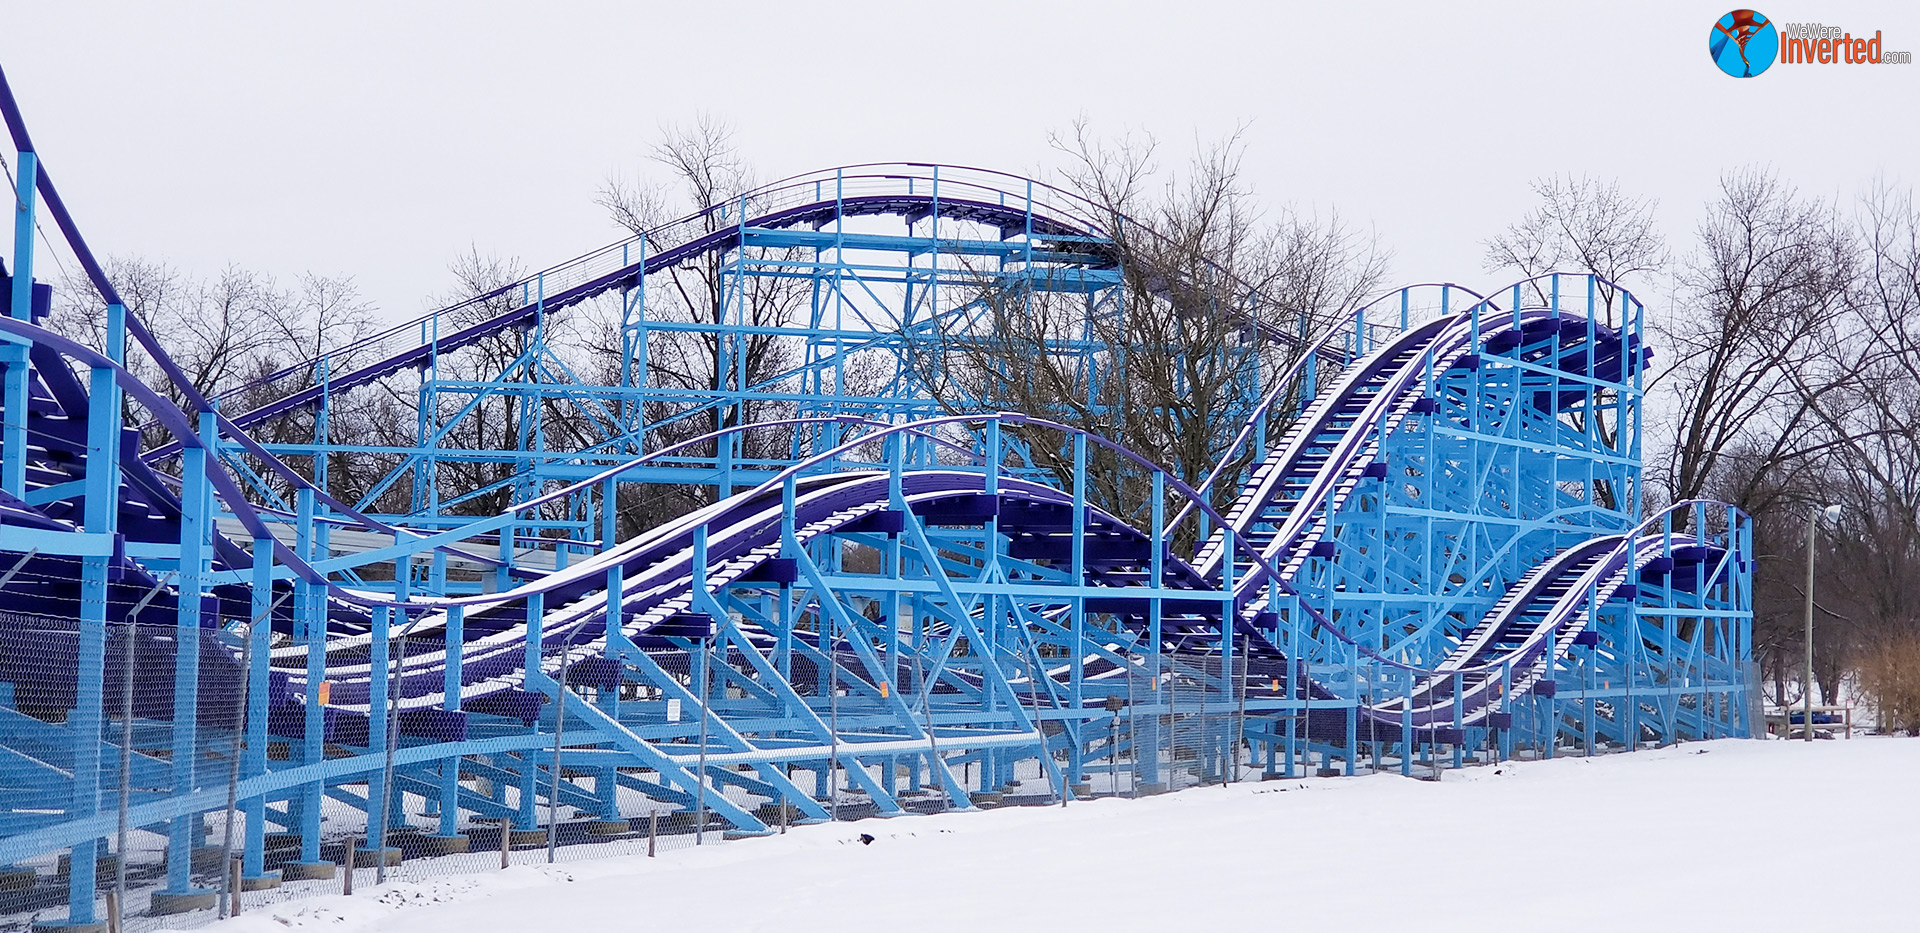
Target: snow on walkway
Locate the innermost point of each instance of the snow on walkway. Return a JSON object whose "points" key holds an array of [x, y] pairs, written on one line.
{"points": [[1729, 835]]}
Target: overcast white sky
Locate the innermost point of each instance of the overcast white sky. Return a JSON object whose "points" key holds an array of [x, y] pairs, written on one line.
{"points": [[379, 140]]}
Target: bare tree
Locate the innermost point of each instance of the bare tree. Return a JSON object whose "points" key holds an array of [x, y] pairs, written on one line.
{"points": [[1170, 363], [1784, 385], [1757, 299], [1871, 415], [227, 333], [707, 181], [1838, 422], [1584, 225]]}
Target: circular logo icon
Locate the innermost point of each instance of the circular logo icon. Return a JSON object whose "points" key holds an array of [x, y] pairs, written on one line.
{"points": [[1743, 43]]}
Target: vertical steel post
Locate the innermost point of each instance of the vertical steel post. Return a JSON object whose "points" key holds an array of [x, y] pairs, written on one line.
{"points": [[1156, 642], [100, 513], [535, 654], [705, 655], [259, 637], [1077, 672], [13, 436], [381, 687], [230, 883], [392, 809], [195, 527], [310, 627], [559, 730], [20, 307], [126, 738], [1806, 687], [451, 683]]}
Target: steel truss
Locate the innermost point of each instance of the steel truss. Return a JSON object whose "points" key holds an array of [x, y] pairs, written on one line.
{"points": [[1438, 554]]}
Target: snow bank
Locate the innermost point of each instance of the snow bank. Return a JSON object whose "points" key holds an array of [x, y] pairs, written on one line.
{"points": [[1750, 835]]}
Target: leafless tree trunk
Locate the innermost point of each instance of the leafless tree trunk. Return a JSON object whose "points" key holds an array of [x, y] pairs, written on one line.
{"points": [[1836, 420], [707, 177], [1584, 225], [229, 333], [1757, 301], [1171, 364], [1872, 419]]}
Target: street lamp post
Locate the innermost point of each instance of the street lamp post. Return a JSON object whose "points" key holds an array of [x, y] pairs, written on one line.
{"points": [[1830, 513]]}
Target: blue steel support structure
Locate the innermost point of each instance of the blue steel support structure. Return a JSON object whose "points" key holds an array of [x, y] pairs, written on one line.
{"points": [[1435, 553]]}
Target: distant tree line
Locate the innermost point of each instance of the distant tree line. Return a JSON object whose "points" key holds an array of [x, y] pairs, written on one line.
{"points": [[1788, 378]]}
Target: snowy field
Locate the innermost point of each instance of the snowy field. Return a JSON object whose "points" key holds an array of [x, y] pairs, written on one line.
{"points": [[1730, 835]]}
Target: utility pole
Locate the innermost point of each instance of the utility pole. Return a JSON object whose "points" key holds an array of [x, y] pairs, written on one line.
{"points": [[1830, 513]]}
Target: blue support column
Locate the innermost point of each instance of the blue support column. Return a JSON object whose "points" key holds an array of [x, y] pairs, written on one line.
{"points": [[1156, 640], [503, 576], [1492, 454], [310, 626], [1406, 729], [392, 811], [84, 725], [1077, 669], [527, 816], [1459, 724], [13, 436], [450, 768], [260, 633], [379, 664], [196, 525], [20, 306]]}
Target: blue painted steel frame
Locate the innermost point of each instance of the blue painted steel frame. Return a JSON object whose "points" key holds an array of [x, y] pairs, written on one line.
{"points": [[1436, 554]]}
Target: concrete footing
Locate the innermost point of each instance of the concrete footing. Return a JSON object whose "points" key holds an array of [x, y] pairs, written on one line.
{"points": [[15, 878], [769, 813], [307, 871], [265, 881], [527, 837], [987, 798], [442, 845], [608, 827], [180, 903], [68, 926], [371, 858]]}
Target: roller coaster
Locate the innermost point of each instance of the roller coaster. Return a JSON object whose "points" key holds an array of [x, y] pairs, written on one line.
{"points": [[1434, 554]]}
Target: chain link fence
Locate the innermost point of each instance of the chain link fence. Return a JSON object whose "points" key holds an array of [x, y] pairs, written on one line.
{"points": [[376, 813]]}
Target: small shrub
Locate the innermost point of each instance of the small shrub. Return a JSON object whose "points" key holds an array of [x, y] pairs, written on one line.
{"points": [[1890, 678]]}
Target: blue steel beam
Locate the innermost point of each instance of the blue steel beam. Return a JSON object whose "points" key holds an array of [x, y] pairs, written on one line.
{"points": [[1373, 591]]}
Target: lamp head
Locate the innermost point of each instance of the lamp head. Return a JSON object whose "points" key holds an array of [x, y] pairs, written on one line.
{"points": [[1831, 513]]}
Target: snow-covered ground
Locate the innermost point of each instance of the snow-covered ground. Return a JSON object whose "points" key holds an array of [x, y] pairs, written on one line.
{"points": [[1730, 835]]}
